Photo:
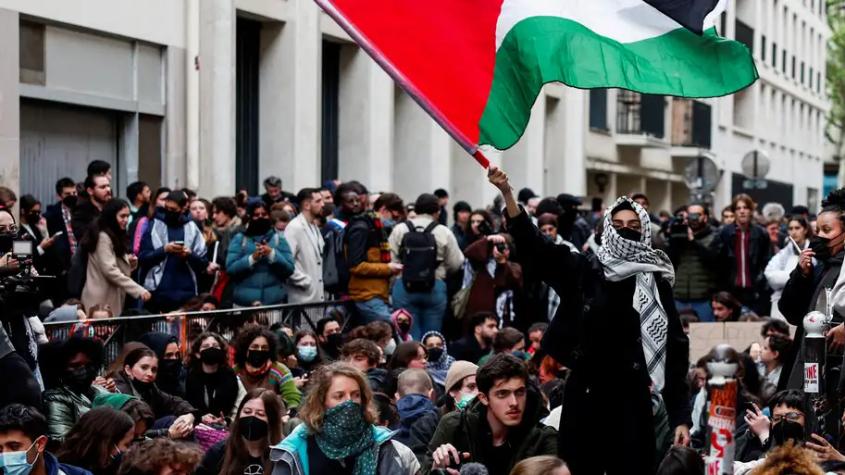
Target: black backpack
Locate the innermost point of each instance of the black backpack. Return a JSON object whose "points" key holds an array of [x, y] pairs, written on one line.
{"points": [[335, 268], [418, 254]]}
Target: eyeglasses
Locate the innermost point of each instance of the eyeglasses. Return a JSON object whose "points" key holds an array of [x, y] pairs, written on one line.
{"points": [[789, 416], [8, 229]]}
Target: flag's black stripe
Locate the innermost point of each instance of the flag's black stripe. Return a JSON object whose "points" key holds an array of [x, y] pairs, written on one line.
{"points": [[689, 13]]}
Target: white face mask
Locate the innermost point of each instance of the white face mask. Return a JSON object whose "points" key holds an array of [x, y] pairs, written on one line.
{"points": [[390, 348]]}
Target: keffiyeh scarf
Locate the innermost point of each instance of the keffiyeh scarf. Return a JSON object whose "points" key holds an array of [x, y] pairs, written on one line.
{"points": [[622, 258]]}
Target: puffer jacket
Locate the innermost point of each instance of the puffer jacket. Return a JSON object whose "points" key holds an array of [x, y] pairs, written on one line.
{"points": [[65, 407], [261, 281], [695, 266], [290, 456], [469, 431]]}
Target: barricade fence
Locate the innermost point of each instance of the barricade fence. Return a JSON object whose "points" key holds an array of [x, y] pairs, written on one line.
{"points": [[186, 326]]}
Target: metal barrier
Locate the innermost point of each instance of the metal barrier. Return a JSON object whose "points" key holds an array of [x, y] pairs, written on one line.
{"points": [[114, 332]]}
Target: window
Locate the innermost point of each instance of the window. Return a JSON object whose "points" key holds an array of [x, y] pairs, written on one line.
{"points": [[745, 34], [802, 72], [598, 109], [774, 54], [329, 163], [810, 79], [783, 61], [763, 48], [247, 103], [793, 66], [31, 50]]}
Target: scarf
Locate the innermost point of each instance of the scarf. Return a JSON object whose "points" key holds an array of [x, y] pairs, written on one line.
{"points": [[440, 368], [346, 434], [622, 258]]}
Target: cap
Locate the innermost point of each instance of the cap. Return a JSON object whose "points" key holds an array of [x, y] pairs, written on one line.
{"points": [[458, 371], [567, 199]]}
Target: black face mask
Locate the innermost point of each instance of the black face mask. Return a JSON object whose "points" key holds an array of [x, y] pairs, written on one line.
{"points": [[257, 358], [80, 379], [259, 227], [6, 242], [142, 386], [70, 201], [333, 344], [629, 234], [434, 354], [821, 247], [404, 327], [785, 430], [253, 428], [172, 218], [169, 369], [212, 356], [33, 218]]}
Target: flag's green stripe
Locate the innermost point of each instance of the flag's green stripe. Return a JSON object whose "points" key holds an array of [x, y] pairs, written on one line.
{"points": [[552, 49]]}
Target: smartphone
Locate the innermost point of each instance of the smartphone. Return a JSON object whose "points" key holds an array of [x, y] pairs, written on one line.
{"points": [[179, 243]]}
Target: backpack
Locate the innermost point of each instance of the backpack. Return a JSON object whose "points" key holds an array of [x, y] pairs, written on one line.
{"points": [[78, 273], [335, 268], [418, 254]]}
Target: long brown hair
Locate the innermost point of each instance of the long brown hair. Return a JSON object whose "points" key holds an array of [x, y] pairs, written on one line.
{"points": [[90, 442], [237, 455], [314, 408]]}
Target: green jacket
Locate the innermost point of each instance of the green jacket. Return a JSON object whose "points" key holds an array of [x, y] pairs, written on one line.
{"points": [[468, 431], [64, 408], [696, 266]]}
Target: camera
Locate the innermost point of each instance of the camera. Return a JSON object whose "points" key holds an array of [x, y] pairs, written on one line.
{"points": [[678, 228], [501, 247]]}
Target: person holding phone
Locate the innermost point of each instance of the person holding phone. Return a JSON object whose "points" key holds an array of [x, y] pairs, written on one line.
{"points": [[172, 255], [109, 265], [259, 260]]}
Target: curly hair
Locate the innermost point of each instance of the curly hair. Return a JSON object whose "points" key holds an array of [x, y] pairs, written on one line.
{"points": [[246, 338], [791, 459], [313, 408], [151, 456]]}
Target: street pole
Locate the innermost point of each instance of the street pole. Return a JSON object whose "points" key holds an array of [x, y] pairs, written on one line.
{"points": [[722, 414], [815, 358]]}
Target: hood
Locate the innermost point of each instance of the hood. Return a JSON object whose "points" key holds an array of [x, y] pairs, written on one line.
{"points": [[115, 401], [184, 218], [414, 406], [158, 341], [394, 318], [445, 356]]}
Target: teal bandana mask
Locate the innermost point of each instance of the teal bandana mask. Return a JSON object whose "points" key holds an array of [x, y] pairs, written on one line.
{"points": [[346, 434]]}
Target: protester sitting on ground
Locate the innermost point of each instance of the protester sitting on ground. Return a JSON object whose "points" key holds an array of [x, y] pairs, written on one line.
{"points": [[211, 386], [792, 459], [138, 378], [69, 368], [257, 427], [408, 355], [160, 457], [97, 442], [460, 386], [380, 332], [508, 408], [171, 372], [726, 308], [507, 340], [329, 338], [23, 444], [542, 465], [259, 260], [402, 321], [140, 412], [439, 360], [681, 461], [535, 336], [483, 328], [110, 261], [418, 416], [338, 431], [308, 356], [256, 355], [772, 355], [364, 355]]}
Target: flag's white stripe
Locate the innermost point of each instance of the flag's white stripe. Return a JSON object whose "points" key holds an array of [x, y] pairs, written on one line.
{"points": [[713, 17], [625, 21]]}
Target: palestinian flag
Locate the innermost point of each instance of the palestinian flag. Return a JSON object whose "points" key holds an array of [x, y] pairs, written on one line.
{"points": [[477, 66]]}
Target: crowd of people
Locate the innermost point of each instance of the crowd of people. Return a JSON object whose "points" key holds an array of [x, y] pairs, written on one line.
{"points": [[527, 337]]}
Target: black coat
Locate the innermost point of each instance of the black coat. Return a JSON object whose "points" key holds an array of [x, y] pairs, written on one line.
{"points": [[760, 252], [215, 393], [596, 334]]}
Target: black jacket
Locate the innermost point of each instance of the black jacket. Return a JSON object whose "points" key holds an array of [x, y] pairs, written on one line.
{"points": [[83, 218], [467, 349], [213, 394], [56, 223], [596, 334], [760, 251], [162, 404]]}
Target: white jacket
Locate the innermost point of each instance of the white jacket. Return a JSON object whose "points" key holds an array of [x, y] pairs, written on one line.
{"points": [[780, 266], [306, 245]]}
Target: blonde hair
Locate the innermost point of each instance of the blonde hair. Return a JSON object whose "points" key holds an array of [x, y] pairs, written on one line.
{"points": [[791, 459], [540, 465], [312, 411]]}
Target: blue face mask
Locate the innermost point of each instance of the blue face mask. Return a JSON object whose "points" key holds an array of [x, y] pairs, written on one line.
{"points": [[14, 463], [306, 353]]}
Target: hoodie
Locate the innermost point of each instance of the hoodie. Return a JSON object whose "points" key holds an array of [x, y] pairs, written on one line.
{"points": [[171, 373], [412, 408]]}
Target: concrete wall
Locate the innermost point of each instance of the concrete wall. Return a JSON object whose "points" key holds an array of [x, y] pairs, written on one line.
{"points": [[9, 102]]}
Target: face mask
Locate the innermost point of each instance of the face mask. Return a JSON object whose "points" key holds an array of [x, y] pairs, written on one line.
{"points": [[257, 358], [345, 420], [404, 327], [70, 201], [333, 343], [390, 348], [172, 218], [14, 463], [259, 227], [522, 355], [306, 353], [388, 222], [464, 402], [629, 234], [821, 247], [169, 368], [212, 356], [434, 354], [252, 428], [786, 430], [80, 378], [6, 243], [33, 218]]}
